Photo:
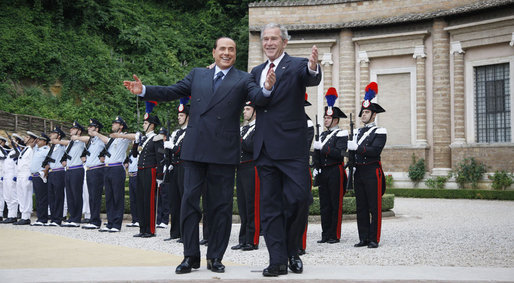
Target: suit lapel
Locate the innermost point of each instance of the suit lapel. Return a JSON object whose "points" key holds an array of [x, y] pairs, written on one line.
{"points": [[281, 68], [224, 89], [258, 72], [206, 93]]}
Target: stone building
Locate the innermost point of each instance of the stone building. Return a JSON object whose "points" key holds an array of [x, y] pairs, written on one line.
{"points": [[443, 68]]}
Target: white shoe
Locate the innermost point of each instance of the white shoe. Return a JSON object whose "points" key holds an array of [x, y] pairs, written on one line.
{"points": [[37, 223], [136, 224], [104, 229], [114, 230], [132, 224], [65, 224], [73, 224], [90, 226], [162, 225], [53, 224]]}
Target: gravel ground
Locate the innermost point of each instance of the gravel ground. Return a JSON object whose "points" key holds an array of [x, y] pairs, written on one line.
{"points": [[430, 232]]}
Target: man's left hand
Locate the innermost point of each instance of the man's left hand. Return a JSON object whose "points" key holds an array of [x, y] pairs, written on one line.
{"points": [[313, 59]]}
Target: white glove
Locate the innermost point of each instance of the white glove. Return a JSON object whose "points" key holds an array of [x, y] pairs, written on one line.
{"points": [[159, 182], [315, 173], [352, 145], [317, 145], [138, 137], [170, 167], [168, 144]]}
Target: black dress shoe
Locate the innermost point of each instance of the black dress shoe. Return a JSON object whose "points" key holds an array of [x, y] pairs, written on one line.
{"points": [[301, 252], [138, 235], [9, 220], [22, 222], [147, 235], [361, 244], [295, 264], [215, 265], [250, 247], [204, 242], [373, 245], [168, 239], [188, 263], [180, 240], [323, 240], [333, 241], [175, 237], [275, 270], [237, 247]]}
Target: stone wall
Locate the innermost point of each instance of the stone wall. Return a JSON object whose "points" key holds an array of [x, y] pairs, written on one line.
{"points": [[399, 158], [494, 156]]}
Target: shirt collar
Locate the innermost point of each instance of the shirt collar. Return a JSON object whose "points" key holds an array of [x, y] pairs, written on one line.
{"points": [[334, 128], [252, 123], [217, 70], [277, 61], [369, 125]]}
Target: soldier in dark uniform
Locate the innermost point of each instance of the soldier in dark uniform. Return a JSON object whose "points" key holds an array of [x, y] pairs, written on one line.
{"points": [[163, 206], [74, 176], [310, 137], [248, 197], [175, 174], [369, 180], [331, 175], [56, 176], [148, 175]]}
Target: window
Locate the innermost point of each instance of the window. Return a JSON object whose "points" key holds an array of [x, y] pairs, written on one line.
{"points": [[492, 103]]}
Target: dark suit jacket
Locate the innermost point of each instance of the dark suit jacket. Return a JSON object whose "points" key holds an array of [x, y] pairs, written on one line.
{"points": [[281, 123], [213, 129]]}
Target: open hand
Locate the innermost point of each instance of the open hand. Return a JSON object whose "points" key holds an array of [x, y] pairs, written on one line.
{"points": [[136, 86], [313, 58], [271, 78]]}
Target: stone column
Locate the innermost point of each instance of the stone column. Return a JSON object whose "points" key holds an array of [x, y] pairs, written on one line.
{"points": [[458, 92], [421, 101], [255, 56], [364, 73], [441, 100], [326, 64], [347, 73]]}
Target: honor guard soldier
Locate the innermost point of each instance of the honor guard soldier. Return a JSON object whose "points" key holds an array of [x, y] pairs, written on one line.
{"points": [[369, 180], [39, 181], [131, 163], [310, 137], [172, 151], [115, 152], [9, 182], [148, 175], [94, 172], [163, 206], [4, 151], [56, 176], [74, 176], [331, 174], [248, 187], [24, 188]]}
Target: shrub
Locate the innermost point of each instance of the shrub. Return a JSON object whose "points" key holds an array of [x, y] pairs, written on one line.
{"points": [[501, 180], [389, 181], [469, 171], [453, 194], [437, 183], [417, 170]]}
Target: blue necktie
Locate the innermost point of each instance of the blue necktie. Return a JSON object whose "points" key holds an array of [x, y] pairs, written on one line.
{"points": [[217, 81]]}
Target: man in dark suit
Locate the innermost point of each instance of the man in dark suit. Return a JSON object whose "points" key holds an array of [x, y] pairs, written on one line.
{"points": [[281, 151], [211, 148]]}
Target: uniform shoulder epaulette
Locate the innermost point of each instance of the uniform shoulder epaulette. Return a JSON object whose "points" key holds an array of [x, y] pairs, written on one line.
{"points": [[310, 124], [158, 137], [342, 133], [381, 130]]}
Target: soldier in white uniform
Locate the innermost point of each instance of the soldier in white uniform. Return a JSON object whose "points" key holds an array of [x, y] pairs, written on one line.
{"points": [[3, 155], [9, 184], [39, 181], [24, 188]]}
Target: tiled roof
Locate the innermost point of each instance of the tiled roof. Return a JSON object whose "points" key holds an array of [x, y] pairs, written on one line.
{"points": [[271, 3], [384, 21]]}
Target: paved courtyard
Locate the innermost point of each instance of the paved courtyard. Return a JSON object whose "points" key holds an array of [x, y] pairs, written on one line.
{"points": [[426, 240]]}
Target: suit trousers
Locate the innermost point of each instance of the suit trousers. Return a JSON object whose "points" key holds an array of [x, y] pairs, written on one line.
{"points": [[248, 202], [56, 195], [219, 186], [368, 183], [285, 200], [114, 195], [74, 179], [331, 191], [132, 196], [95, 186], [146, 192], [41, 191], [176, 187]]}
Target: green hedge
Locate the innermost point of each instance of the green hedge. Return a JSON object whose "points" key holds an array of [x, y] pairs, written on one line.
{"points": [[452, 194]]}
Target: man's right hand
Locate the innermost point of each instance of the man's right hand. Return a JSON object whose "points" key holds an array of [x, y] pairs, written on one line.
{"points": [[271, 78], [136, 86]]}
